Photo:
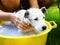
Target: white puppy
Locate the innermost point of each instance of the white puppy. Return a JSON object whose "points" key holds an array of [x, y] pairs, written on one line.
{"points": [[35, 17]]}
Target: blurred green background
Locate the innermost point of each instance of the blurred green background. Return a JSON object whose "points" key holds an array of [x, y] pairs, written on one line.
{"points": [[53, 15]]}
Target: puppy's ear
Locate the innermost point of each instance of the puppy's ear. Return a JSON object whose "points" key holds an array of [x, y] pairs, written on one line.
{"points": [[26, 14], [43, 9]]}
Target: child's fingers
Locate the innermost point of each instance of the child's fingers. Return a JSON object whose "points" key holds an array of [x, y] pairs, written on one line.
{"points": [[23, 25], [26, 21]]}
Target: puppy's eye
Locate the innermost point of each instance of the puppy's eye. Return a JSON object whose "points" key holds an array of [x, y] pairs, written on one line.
{"points": [[36, 19]]}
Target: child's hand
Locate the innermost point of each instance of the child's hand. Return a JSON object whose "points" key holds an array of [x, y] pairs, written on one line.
{"points": [[23, 25]]}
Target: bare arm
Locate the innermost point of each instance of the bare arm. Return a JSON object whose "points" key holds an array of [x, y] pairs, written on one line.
{"points": [[34, 3], [5, 16]]}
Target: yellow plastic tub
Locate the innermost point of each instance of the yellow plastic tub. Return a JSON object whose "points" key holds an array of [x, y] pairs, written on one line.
{"points": [[39, 39]]}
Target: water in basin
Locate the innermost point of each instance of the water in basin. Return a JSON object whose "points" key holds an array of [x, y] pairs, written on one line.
{"points": [[12, 30]]}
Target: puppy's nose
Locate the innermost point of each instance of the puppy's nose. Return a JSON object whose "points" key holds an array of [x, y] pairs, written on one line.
{"points": [[44, 27]]}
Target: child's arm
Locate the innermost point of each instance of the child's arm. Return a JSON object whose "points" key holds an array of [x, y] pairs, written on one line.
{"points": [[34, 3], [5, 16]]}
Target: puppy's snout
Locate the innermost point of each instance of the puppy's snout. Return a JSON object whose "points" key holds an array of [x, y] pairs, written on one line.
{"points": [[44, 27]]}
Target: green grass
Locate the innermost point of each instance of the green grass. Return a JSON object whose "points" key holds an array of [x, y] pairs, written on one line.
{"points": [[54, 35]]}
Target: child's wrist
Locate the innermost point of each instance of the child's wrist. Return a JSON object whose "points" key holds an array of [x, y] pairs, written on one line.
{"points": [[11, 17]]}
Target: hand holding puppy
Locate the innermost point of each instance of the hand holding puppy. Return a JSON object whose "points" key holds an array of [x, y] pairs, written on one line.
{"points": [[7, 16], [24, 25]]}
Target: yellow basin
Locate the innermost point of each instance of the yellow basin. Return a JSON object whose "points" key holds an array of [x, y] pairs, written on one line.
{"points": [[39, 39]]}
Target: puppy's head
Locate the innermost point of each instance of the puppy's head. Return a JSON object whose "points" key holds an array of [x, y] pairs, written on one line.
{"points": [[36, 18]]}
